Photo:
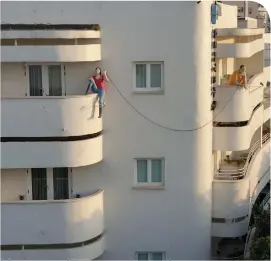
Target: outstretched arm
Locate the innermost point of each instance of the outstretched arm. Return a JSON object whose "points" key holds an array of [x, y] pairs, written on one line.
{"points": [[106, 77]]}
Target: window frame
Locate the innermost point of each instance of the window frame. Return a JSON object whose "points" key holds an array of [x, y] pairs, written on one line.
{"points": [[148, 88], [149, 253], [149, 184], [45, 77]]}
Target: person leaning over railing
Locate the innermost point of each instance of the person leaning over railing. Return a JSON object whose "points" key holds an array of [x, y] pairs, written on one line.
{"points": [[239, 77]]}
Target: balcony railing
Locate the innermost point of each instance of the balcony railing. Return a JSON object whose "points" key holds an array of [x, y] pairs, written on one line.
{"points": [[265, 200], [239, 173]]}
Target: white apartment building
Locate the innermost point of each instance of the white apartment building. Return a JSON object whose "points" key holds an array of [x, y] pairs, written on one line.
{"points": [[120, 187], [251, 9]]}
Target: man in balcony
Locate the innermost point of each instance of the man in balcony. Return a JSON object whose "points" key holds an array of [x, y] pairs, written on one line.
{"points": [[239, 77]]}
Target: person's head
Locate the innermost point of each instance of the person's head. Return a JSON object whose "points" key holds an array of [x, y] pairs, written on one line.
{"points": [[98, 71], [242, 68]]}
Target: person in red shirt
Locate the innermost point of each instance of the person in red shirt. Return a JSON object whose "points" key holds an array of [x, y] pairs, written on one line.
{"points": [[96, 83]]}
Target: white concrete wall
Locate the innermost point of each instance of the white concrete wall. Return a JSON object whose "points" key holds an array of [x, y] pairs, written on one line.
{"points": [[90, 252], [144, 32], [51, 154], [226, 12], [254, 64], [240, 50], [50, 116], [236, 104], [14, 83], [61, 221], [13, 184], [230, 199], [54, 222], [53, 53], [237, 138]]}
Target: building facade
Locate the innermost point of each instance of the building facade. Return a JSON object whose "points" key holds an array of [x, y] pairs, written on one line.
{"points": [[148, 180]]}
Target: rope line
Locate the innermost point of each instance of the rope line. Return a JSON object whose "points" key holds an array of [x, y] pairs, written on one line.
{"points": [[168, 128]]}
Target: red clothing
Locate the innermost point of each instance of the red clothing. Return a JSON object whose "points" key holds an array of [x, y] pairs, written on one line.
{"points": [[99, 82]]}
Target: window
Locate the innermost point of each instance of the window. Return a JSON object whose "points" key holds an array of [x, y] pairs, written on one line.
{"points": [[46, 80], [39, 184], [61, 183], [150, 256], [149, 172], [250, 10], [149, 76], [240, 9]]}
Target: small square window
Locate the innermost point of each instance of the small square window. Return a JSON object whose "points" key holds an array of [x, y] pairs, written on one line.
{"points": [[150, 256], [149, 172], [148, 76]]}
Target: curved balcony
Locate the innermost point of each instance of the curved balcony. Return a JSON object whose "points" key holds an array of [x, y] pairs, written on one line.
{"points": [[51, 53], [235, 191], [238, 114], [237, 169], [60, 229], [235, 104], [239, 50], [238, 137], [54, 132]]}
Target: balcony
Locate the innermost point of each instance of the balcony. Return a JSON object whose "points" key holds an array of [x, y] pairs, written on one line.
{"points": [[236, 186], [237, 136], [239, 50], [238, 114], [57, 230], [60, 131], [236, 169], [28, 44], [236, 104]]}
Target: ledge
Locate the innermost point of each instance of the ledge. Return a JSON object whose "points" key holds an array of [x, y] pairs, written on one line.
{"points": [[239, 31]]}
